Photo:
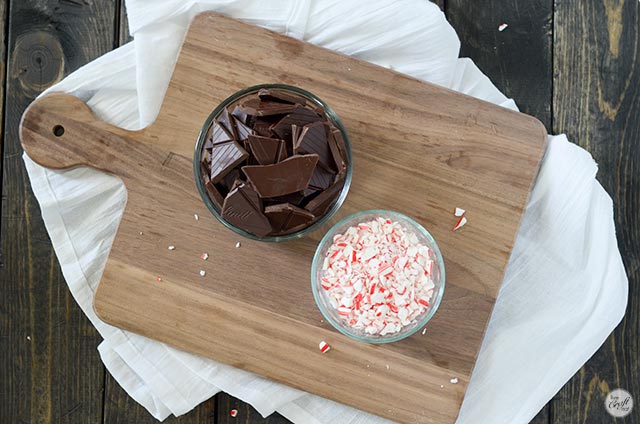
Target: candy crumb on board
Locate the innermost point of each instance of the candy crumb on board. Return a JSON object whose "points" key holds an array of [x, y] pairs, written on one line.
{"points": [[196, 216], [158, 278], [203, 272], [204, 256], [172, 247], [238, 245], [29, 338], [502, 27], [454, 380], [324, 347], [442, 386], [424, 331], [459, 212], [233, 413], [140, 233], [461, 222]]}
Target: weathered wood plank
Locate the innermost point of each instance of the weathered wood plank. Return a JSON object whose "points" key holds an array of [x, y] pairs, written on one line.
{"points": [[123, 26], [597, 103], [246, 413], [517, 59], [3, 69], [49, 367]]}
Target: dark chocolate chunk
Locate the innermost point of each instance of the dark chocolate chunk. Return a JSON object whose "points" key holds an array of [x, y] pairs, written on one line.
{"points": [[280, 96], [225, 157], [226, 183], [319, 205], [290, 175], [266, 151], [226, 122], [214, 194], [300, 116], [338, 160], [258, 107], [243, 208], [293, 198], [342, 147], [313, 139], [321, 178], [286, 217], [239, 115], [242, 131]]}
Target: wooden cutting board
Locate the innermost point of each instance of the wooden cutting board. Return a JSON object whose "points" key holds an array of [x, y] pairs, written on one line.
{"points": [[417, 148]]}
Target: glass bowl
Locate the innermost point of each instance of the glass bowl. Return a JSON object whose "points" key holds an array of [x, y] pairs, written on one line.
{"points": [[322, 299], [197, 157]]}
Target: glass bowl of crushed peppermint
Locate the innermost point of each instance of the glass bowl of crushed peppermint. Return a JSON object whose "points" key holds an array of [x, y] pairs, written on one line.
{"points": [[273, 162], [378, 276]]}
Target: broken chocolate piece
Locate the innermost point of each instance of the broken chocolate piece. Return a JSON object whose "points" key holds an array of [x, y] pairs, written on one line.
{"points": [[226, 122], [267, 151], [300, 117], [226, 183], [290, 175], [242, 130], [286, 217], [214, 194], [338, 161], [313, 139], [321, 179], [243, 208], [274, 95], [258, 107], [225, 157], [319, 204]]}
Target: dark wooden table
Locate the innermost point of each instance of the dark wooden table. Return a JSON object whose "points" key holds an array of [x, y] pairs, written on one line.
{"points": [[574, 64]]}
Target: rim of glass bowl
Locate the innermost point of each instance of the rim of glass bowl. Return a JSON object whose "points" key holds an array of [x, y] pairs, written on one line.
{"points": [[201, 140], [317, 261]]}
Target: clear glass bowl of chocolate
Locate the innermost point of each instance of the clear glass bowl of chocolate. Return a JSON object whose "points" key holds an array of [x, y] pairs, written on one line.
{"points": [[273, 162], [378, 276]]}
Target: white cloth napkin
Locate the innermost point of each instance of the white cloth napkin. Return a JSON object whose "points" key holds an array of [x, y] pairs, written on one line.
{"points": [[564, 291]]}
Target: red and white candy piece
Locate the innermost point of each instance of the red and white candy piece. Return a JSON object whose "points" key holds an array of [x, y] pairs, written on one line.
{"points": [[204, 256], [461, 222], [378, 276], [203, 272], [459, 212], [454, 380], [502, 27], [324, 347], [171, 247], [233, 413], [158, 278]]}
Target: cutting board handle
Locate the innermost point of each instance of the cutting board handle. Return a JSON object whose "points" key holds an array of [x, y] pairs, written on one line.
{"points": [[60, 131]]}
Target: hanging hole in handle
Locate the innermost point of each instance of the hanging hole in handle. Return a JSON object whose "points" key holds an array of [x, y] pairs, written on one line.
{"points": [[58, 130]]}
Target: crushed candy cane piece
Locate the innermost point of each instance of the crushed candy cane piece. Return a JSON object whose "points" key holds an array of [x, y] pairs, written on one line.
{"points": [[238, 245], [442, 386], [196, 216], [233, 413], [140, 233], [424, 331], [204, 256], [203, 272], [378, 276], [502, 27], [454, 380], [158, 278], [461, 222], [324, 347], [459, 212], [171, 247], [29, 338]]}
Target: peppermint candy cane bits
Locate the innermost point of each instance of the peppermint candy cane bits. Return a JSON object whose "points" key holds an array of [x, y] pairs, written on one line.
{"points": [[378, 276]]}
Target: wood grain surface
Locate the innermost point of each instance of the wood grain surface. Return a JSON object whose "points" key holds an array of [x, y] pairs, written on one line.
{"points": [[596, 103], [49, 368], [476, 154], [576, 403]]}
